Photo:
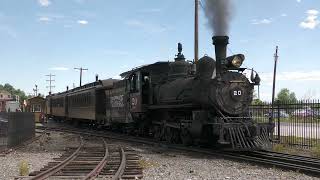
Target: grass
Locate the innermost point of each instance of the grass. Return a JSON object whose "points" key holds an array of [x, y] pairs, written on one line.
{"points": [[279, 148], [23, 168], [315, 151], [290, 119], [147, 164]]}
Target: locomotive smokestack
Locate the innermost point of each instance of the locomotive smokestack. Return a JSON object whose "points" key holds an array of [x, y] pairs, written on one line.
{"points": [[220, 43]]}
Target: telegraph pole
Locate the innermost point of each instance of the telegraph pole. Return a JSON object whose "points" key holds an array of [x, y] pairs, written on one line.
{"points": [[274, 74], [36, 90], [273, 89], [81, 69], [50, 80], [196, 32]]}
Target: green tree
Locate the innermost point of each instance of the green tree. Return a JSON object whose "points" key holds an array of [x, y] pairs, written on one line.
{"points": [[257, 102], [13, 91], [285, 96]]}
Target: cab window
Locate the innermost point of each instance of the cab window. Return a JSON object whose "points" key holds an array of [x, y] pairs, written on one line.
{"points": [[134, 83]]}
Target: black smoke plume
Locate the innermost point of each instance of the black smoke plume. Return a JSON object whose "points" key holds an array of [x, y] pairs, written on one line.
{"points": [[218, 13]]}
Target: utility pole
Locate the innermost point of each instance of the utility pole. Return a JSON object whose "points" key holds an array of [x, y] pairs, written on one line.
{"points": [[35, 91], [196, 32], [81, 69], [273, 90], [50, 80], [274, 74]]}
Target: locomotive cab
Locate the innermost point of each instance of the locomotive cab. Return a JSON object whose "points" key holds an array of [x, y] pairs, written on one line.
{"points": [[139, 90]]}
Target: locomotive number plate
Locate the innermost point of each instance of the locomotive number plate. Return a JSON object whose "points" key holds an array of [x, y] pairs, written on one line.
{"points": [[237, 93]]}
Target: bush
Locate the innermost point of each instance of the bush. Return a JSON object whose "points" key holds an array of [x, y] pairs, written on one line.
{"points": [[315, 152], [279, 148], [23, 168]]}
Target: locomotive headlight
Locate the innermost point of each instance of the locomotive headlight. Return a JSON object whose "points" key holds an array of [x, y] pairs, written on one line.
{"points": [[236, 62]]}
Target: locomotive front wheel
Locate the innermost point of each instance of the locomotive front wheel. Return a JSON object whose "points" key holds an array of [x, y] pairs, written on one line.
{"points": [[168, 134], [186, 137], [157, 133]]}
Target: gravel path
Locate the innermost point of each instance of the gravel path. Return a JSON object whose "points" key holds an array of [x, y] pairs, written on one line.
{"points": [[162, 164], [9, 166], [158, 163], [36, 154]]}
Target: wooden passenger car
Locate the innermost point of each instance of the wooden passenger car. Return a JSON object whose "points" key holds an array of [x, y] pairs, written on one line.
{"points": [[58, 105]]}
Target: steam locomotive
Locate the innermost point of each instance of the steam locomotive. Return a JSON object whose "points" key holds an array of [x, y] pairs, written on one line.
{"points": [[179, 102]]}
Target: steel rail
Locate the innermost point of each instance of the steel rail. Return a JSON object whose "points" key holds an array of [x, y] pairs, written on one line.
{"points": [[122, 166], [276, 163], [276, 160], [96, 171], [51, 171]]}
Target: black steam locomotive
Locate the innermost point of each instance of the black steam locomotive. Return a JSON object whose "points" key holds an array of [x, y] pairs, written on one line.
{"points": [[179, 102]]}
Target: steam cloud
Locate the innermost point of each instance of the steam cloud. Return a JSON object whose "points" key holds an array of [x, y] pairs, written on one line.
{"points": [[218, 13]]}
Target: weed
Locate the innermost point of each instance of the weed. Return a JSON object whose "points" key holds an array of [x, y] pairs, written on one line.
{"points": [[315, 151], [279, 148], [147, 164], [23, 168]]}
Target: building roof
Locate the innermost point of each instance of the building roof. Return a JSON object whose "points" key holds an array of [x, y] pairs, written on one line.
{"points": [[36, 99], [5, 95], [2, 91]]}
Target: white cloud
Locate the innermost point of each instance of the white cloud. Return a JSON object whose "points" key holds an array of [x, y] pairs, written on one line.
{"points": [[67, 26], [134, 22], [116, 52], [298, 1], [83, 22], [9, 31], [262, 21], [59, 69], [44, 3], [311, 20], [148, 27], [291, 76], [284, 15], [50, 16], [44, 19], [152, 10]]}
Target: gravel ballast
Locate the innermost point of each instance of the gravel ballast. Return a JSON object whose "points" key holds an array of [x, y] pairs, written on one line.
{"points": [[158, 162], [162, 164], [37, 154]]}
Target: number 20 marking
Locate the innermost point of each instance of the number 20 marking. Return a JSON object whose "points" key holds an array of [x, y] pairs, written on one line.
{"points": [[237, 93]]}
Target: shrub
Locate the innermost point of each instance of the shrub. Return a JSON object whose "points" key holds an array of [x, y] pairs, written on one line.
{"points": [[23, 168], [315, 151]]}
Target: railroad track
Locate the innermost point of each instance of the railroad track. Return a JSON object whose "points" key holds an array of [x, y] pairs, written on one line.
{"points": [[307, 165], [91, 162]]}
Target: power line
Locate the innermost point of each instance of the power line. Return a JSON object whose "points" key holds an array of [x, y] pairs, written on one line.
{"points": [[196, 32], [50, 80], [36, 90], [81, 69]]}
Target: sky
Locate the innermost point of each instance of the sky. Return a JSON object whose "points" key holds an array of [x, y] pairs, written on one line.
{"points": [[41, 37]]}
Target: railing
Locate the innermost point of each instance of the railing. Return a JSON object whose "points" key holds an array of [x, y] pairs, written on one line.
{"points": [[296, 124]]}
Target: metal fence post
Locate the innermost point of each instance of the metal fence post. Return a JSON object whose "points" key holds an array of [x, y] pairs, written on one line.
{"points": [[278, 108]]}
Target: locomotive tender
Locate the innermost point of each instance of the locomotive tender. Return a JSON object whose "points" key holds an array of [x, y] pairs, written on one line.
{"points": [[178, 102]]}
